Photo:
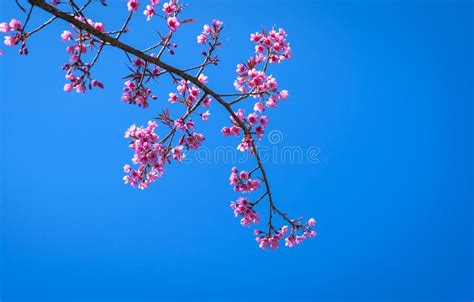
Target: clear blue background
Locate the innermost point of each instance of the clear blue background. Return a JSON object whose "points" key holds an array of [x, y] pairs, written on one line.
{"points": [[383, 88]]}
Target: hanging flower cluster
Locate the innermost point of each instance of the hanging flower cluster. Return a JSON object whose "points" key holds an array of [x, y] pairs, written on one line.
{"points": [[16, 35], [134, 91], [78, 71]]}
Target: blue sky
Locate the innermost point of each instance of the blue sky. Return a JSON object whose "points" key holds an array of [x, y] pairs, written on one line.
{"points": [[383, 89]]}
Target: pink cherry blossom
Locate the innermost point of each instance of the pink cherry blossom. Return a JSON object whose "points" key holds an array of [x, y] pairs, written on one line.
{"points": [[99, 26], [68, 87], [207, 102], [169, 7], [311, 222], [10, 41], [15, 24], [133, 5], [201, 39], [4, 27], [149, 12], [259, 107], [243, 208], [173, 23], [205, 115], [66, 35], [173, 97], [283, 94]]}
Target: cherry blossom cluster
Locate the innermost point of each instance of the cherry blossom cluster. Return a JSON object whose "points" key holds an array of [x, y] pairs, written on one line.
{"points": [[272, 45], [292, 238], [170, 11], [16, 35], [78, 72], [150, 156], [242, 181], [242, 207], [210, 33], [134, 91], [187, 93]]}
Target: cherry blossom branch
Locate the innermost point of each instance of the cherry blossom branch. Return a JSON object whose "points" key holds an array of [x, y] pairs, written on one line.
{"points": [[151, 154]]}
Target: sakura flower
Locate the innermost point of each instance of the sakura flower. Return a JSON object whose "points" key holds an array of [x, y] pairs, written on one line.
{"points": [[173, 97], [311, 222], [169, 7], [154, 2], [252, 118], [271, 102], [207, 30], [149, 12], [15, 24], [207, 102], [68, 87], [283, 94], [243, 208], [10, 41], [178, 154], [173, 23], [133, 5], [66, 35], [259, 107], [202, 78], [4, 27], [201, 39], [205, 115], [246, 144], [99, 26]]}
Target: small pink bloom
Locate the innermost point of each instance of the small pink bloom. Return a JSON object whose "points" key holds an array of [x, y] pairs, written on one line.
{"points": [[207, 102], [132, 5], [173, 97], [283, 94], [4, 27], [149, 12], [201, 39], [68, 87], [169, 7], [311, 222], [154, 2], [66, 35], [205, 115], [259, 107], [80, 88], [10, 41], [173, 23], [202, 78], [217, 24], [99, 26], [15, 24], [252, 118], [271, 102], [178, 153], [207, 30]]}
